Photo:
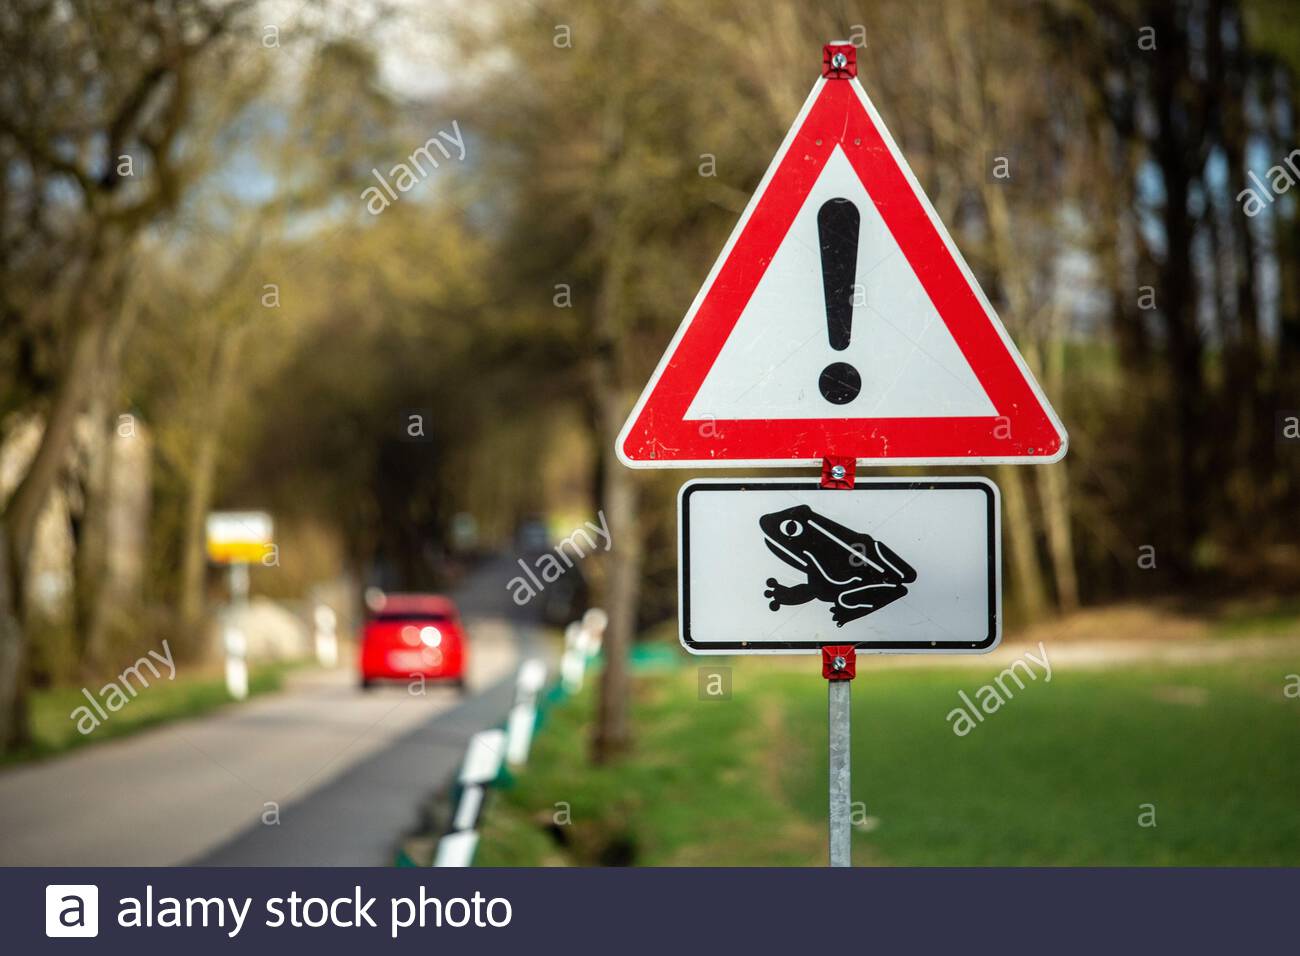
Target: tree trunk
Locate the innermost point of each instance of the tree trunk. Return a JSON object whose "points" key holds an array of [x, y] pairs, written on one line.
{"points": [[94, 602], [92, 542], [1174, 147], [1054, 480], [193, 544], [29, 497], [20, 517], [91, 559], [614, 235], [14, 728], [1019, 531], [613, 733], [1013, 273], [203, 476], [1054, 490]]}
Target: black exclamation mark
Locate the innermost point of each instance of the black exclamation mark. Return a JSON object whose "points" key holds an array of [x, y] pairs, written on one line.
{"points": [[837, 230]]}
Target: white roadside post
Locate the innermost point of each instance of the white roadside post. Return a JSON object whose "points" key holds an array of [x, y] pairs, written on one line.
{"points": [[327, 642], [457, 849], [523, 715], [594, 623], [574, 662], [471, 802], [236, 660], [483, 758], [531, 680], [235, 642]]}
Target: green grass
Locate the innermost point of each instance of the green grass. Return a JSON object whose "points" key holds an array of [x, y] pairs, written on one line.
{"points": [[54, 731], [699, 790], [1272, 619], [1058, 776]]}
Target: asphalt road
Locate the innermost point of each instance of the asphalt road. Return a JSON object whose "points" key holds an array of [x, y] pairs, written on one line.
{"points": [[343, 771]]}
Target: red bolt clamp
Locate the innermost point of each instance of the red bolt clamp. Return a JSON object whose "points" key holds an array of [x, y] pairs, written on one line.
{"points": [[838, 472], [839, 661], [839, 61]]}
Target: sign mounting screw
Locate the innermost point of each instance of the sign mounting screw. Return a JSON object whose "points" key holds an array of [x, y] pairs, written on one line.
{"points": [[839, 60], [837, 471]]}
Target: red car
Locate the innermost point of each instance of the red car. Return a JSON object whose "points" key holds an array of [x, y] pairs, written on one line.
{"points": [[409, 635]]}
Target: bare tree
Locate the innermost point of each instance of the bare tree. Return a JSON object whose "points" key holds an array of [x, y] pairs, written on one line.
{"points": [[95, 100]]}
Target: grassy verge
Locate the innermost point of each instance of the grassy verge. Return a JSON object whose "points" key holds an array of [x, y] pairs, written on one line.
{"points": [[699, 790], [53, 730], [1063, 774], [1259, 619]]}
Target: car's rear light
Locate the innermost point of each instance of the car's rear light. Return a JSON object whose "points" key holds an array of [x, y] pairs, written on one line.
{"points": [[411, 635], [431, 636]]}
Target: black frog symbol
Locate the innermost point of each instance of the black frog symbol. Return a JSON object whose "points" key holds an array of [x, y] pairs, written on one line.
{"points": [[852, 571]]}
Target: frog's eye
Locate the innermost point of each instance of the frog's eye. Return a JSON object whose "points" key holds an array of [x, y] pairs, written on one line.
{"points": [[791, 528]]}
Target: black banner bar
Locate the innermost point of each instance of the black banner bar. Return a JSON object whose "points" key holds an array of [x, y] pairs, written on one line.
{"points": [[660, 911]]}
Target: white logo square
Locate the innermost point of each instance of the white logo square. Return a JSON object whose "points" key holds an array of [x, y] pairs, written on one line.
{"points": [[71, 909]]}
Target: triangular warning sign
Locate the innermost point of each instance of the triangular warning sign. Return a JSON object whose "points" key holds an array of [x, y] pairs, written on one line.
{"points": [[840, 320]]}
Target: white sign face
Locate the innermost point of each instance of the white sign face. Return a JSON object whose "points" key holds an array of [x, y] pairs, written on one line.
{"points": [[908, 361], [894, 565]]}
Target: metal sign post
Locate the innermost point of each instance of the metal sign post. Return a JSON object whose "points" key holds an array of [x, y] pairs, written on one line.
{"points": [[239, 584], [839, 667]]}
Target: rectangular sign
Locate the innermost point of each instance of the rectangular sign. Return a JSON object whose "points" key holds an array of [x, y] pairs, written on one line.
{"points": [[893, 565], [238, 537]]}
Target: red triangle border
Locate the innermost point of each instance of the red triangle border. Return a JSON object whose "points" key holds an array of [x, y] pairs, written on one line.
{"points": [[839, 114]]}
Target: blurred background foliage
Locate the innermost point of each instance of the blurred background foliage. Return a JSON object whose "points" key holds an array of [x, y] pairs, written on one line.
{"points": [[187, 260]]}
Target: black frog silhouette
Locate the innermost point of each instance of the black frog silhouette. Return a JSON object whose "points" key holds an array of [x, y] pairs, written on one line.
{"points": [[851, 571]]}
